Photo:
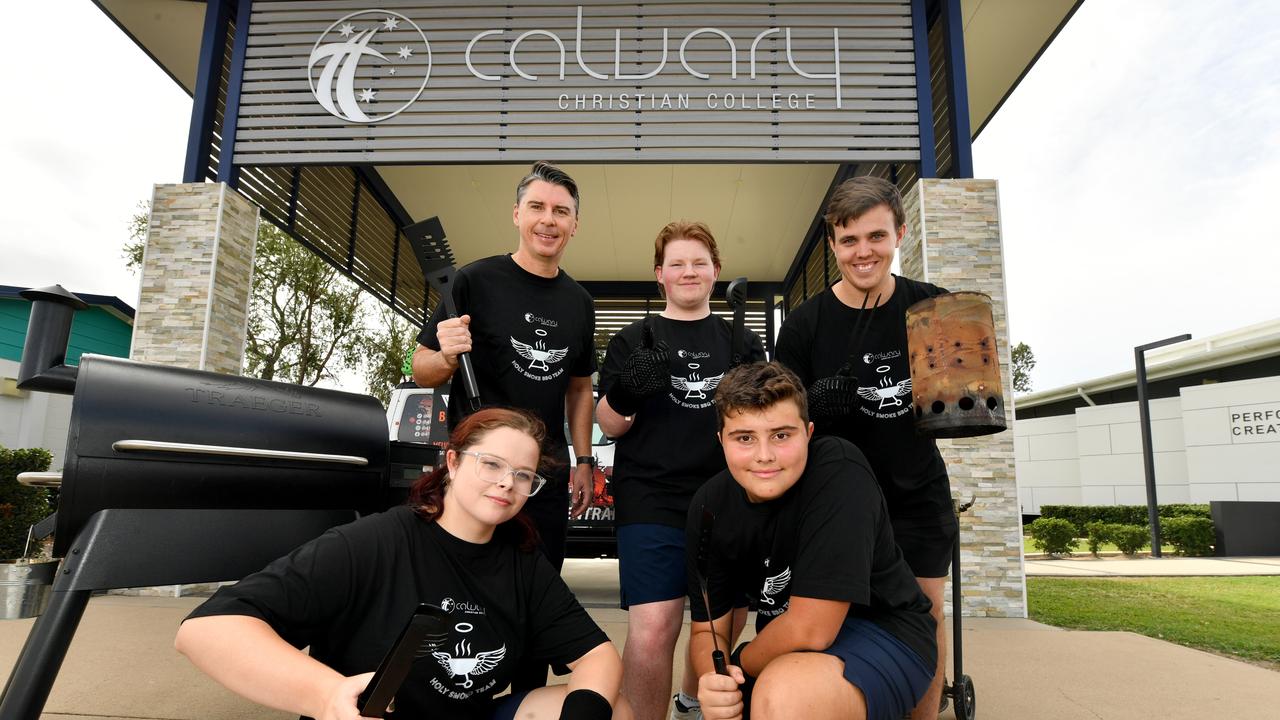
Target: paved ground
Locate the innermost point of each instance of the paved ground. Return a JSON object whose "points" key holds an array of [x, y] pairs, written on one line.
{"points": [[1085, 565], [122, 665]]}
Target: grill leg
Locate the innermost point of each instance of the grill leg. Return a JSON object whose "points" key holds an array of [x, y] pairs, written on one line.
{"points": [[28, 687], [141, 548], [957, 640]]}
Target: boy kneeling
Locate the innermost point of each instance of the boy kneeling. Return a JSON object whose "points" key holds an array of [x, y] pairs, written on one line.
{"points": [[843, 630]]}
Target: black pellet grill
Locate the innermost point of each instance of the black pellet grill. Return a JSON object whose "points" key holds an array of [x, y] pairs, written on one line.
{"points": [[176, 476]]}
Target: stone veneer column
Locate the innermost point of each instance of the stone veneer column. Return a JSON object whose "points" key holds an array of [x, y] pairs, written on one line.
{"points": [[953, 240], [197, 271], [193, 308]]}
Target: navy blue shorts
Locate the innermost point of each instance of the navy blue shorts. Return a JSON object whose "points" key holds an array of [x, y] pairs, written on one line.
{"points": [[891, 676], [651, 563]]}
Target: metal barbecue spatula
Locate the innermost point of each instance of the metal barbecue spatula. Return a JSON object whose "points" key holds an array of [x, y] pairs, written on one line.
{"points": [[736, 296], [704, 568], [426, 630], [436, 259]]}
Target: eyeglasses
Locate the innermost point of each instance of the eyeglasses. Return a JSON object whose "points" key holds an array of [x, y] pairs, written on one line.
{"points": [[493, 470]]}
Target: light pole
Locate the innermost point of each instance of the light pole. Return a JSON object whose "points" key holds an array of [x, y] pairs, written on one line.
{"points": [[1144, 421]]}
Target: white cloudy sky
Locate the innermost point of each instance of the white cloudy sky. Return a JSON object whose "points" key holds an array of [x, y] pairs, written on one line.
{"points": [[1137, 164]]}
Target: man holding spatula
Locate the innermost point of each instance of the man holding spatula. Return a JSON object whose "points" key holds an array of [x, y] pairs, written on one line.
{"points": [[842, 629], [529, 329]]}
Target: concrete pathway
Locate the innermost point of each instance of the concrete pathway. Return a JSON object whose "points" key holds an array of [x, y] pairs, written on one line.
{"points": [[1085, 565], [122, 665]]}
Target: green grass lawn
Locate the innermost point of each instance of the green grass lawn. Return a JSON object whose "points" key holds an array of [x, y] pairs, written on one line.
{"points": [[1234, 616]]}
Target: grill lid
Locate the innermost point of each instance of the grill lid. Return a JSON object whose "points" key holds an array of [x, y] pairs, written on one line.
{"points": [[148, 436]]}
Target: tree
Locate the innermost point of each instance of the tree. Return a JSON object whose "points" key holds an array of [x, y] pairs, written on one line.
{"points": [[306, 322], [1024, 361], [138, 224], [389, 347]]}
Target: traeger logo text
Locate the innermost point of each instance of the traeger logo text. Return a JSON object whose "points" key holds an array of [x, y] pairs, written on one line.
{"points": [[253, 401]]}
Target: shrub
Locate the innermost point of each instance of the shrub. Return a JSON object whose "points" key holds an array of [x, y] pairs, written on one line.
{"points": [[1130, 538], [1188, 535], [1082, 515], [20, 506], [1184, 510], [1054, 536], [1097, 533]]}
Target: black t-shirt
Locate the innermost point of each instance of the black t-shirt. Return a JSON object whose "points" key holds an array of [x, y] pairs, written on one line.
{"points": [[349, 592], [671, 449], [529, 335], [827, 538], [814, 342]]}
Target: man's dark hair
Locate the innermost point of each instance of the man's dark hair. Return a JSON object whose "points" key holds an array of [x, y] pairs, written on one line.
{"points": [[547, 172], [757, 386], [855, 196]]}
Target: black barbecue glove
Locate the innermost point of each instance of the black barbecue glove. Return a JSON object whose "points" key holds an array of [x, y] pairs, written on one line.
{"points": [[646, 372], [835, 396]]}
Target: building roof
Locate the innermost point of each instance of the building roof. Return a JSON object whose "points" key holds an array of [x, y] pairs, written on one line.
{"points": [[762, 212], [1253, 342], [110, 303]]}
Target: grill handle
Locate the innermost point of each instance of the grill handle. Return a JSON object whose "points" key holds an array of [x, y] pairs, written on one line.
{"points": [[231, 451], [41, 479]]}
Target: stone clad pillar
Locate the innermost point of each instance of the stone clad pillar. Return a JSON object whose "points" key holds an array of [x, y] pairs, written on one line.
{"points": [[197, 271], [193, 308], [953, 241]]}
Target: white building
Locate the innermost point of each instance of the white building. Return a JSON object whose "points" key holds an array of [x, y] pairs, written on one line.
{"points": [[1215, 428]]}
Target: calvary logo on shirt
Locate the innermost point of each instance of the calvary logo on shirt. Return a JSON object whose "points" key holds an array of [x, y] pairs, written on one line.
{"points": [[462, 663], [463, 606]]}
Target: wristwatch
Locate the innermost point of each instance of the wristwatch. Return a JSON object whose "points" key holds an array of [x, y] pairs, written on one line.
{"points": [[587, 460]]}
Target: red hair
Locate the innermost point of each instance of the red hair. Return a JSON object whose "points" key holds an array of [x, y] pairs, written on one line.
{"points": [[427, 494], [684, 230]]}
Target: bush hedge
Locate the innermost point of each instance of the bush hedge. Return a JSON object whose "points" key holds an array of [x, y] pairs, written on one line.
{"points": [[1188, 535], [1097, 533], [20, 506], [1129, 538], [1054, 536], [1082, 515]]}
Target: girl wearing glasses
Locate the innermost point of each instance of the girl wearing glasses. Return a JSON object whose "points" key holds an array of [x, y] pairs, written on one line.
{"points": [[462, 544]]}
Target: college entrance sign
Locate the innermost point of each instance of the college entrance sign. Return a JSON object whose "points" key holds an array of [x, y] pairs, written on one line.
{"points": [[406, 82]]}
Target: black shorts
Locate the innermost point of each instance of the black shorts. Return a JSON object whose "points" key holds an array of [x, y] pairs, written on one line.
{"points": [[926, 543], [549, 510]]}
